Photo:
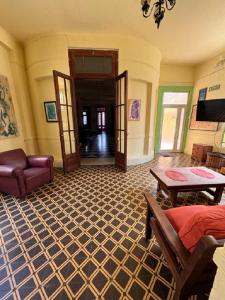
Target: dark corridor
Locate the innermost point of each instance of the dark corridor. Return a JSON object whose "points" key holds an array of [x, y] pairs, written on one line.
{"points": [[95, 101]]}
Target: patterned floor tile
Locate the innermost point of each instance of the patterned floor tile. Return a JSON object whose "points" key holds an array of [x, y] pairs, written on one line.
{"points": [[82, 237]]}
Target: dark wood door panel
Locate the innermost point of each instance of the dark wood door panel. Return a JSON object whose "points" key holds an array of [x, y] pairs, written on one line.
{"points": [[121, 82], [67, 120]]}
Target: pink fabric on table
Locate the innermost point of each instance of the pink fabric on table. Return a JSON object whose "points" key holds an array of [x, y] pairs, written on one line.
{"points": [[202, 173], [175, 175]]}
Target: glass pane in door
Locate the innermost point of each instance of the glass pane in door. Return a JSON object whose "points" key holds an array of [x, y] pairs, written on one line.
{"points": [[168, 128], [180, 130]]}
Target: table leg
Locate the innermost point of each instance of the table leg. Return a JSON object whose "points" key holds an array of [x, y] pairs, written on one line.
{"points": [[158, 187], [173, 197], [148, 229], [218, 194]]}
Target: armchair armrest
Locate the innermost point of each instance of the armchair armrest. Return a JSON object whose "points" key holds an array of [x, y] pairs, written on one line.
{"points": [[10, 171], [167, 229], [40, 161], [201, 258]]}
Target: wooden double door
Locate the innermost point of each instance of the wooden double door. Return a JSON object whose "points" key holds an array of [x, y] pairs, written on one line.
{"points": [[68, 126]]}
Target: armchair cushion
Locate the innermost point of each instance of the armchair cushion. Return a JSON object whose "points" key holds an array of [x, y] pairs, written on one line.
{"points": [[41, 161], [16, 158], [195, 221], [210, 221], [35, 177], [180, 215], [10, 171]]}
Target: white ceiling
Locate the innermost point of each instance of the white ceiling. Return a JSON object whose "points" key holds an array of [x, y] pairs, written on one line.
{"points": [[192, 32]]}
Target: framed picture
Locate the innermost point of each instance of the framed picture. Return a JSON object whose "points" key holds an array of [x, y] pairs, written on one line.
{"points": [[134, 109], [50, 111], [202, 94], [201, 125], [8, 124]]}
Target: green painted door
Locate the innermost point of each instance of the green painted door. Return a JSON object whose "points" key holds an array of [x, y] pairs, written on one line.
{"points": [[172, 118]]}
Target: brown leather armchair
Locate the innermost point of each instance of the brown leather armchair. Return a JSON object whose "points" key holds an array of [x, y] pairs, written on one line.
{"points": [[21, 174]]}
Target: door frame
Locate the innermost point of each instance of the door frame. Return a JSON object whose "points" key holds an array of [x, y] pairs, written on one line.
{"points": [[172, 89], [114, 53]]}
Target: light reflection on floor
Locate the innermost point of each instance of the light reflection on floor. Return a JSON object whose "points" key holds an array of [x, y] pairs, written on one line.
{"points": [[97, 145]]}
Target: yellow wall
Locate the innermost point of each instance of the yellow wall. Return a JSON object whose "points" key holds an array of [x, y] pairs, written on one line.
{"points": [[176, 75], [45, 53], [206, 75], [217, 291], [12, 66]]}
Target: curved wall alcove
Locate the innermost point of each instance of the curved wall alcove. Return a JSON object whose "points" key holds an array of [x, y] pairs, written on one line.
{"points": [[142, 60]]}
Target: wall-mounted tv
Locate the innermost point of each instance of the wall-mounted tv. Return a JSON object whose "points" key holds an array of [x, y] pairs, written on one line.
{"points": [[211, 110]]}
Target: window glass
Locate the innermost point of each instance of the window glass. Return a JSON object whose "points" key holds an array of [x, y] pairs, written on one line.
{"points": [[101, 121], [175, 98], [93, 64], [85, 118]]}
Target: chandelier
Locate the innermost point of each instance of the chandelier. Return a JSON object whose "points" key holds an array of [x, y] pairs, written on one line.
{"points": [[159, 9]]}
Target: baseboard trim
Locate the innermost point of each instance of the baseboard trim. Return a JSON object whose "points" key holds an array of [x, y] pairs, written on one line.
{"points": [[141, 160], [130, 162], [58, 164]]}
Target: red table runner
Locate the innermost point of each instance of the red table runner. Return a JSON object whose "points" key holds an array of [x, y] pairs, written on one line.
{"points": [[203, 173], [175, 175]]}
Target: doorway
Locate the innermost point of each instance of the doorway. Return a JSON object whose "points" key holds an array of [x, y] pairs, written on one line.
{"points": [[94, 74], [96, 118], [172, 118]]}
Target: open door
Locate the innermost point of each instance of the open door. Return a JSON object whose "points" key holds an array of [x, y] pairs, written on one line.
{"points": [[121, 121], [66, 111]]}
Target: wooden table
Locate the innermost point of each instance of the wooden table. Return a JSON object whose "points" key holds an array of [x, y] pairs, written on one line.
{"points": [[193, 182]]}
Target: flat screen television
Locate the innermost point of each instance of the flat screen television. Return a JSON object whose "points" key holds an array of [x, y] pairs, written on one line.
{"points": [[211, 110]]}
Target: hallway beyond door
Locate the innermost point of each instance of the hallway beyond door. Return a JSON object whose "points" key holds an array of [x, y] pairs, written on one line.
{"points": [[96, 145]]}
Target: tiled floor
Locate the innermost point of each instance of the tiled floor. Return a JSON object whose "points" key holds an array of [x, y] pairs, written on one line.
{"points": [[102, 161], [97, 145], [82, 237]]}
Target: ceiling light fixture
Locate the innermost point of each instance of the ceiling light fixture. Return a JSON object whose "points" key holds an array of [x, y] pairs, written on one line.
{"points": [[159, 9]]}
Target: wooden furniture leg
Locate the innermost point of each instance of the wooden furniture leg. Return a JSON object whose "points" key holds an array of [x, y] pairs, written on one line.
{"points": [[148, 229], [218, 194], [158, 187], [173, 197]]}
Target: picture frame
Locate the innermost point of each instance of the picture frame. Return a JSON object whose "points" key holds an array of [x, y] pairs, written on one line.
{"points": [[8, 123], [134, 109], [202, 94], [50, 111], [201, 125]]}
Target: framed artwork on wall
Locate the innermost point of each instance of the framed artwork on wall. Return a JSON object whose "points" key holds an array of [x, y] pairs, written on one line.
{"points": [[8, 125], [201, 125], [134, 110], [202, 94], [50, 111]]}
